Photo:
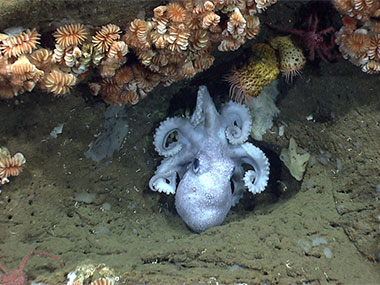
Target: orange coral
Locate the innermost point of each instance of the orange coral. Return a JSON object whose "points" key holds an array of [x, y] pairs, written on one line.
{"points": [[145, 79], [360, 9], [159, 11], [24, 73], [176, 12], [10, 165], [188, 70], [70, 35], [175, 44], [360, 42], [105, 37], [118, 49], [23, 68], [59, 82], [160, 41], [210, 19], [209, 5], [374, 48], [41, 58], [203, 62], [199, 41], [18, 76], [124, 75], [20, 44], [236, 24], [178, 38], [114, 93], [253, 26], [137, 34], [371, 67]]}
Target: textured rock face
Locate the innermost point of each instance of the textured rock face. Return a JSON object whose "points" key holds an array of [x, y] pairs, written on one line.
{"points": [[47, 15]]}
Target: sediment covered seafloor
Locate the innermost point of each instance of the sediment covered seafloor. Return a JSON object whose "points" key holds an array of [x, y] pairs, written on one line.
{"points": [[323, 229]]}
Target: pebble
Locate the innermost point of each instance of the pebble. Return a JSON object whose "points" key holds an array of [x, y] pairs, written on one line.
{"points": [[328, 253]]}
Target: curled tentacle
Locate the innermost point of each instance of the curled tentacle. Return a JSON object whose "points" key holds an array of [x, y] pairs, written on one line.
{"points": [[165, 177], [164, 182], [163, 132], [256, 180], [239, 122]]}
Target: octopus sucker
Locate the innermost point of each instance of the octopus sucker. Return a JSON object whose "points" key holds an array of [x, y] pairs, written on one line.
{"points": [[162, 146], [240, 122]]}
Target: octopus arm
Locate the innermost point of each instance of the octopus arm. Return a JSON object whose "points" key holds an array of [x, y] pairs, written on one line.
{"points": [[163, 134], [165, 177], [164, 182], [238, 121], [255, 180]]}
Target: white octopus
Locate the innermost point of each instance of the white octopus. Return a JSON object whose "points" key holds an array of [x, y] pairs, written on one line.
{"points": [[207, 156]]}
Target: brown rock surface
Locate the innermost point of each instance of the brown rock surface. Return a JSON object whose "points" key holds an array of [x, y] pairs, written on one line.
{"points": [[46, 15]]}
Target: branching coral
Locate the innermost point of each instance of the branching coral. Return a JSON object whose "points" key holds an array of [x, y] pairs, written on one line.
{"points": [[359, 37], [175, 44]]}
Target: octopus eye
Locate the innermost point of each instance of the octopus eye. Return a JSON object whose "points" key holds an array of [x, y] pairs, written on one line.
{"points": [[195, 165]]}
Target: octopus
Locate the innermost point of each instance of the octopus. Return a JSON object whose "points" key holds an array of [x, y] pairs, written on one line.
{"points": [[213, 160]]}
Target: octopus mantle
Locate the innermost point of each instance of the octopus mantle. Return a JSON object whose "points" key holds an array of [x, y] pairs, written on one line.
{"points": [[207, 155]]}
